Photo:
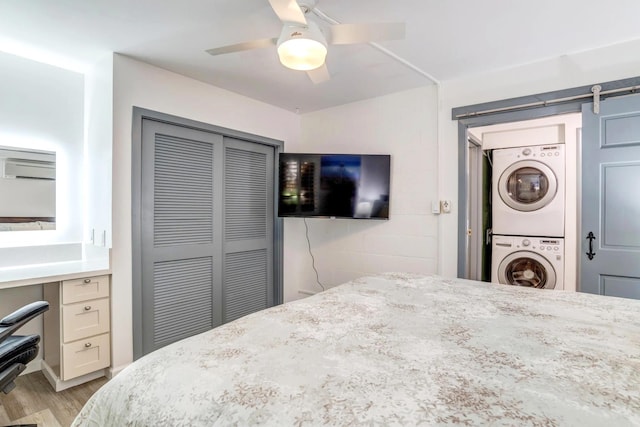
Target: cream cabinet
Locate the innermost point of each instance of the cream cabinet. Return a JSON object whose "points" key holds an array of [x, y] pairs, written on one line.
{"points": [[77, 339]]}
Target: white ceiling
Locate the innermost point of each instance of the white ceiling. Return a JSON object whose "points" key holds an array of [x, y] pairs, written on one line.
{"points": [[446, 39]]}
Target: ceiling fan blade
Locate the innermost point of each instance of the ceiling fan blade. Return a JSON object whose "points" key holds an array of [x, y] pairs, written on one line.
{"points": [[255, 44], [364, 33], [288, 11], [320, 74]]}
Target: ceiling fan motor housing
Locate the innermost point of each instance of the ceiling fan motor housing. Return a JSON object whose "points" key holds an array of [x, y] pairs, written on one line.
{"points": [[302, 47]]}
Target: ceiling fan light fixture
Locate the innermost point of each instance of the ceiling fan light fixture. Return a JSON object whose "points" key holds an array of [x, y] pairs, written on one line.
{"points": [[302, 48]]}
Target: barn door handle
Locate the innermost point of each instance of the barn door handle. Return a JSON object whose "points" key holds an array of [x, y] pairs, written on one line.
{"points": [[591, 238]]}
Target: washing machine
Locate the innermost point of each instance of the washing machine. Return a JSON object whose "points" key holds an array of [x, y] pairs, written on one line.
{"points": [[535, 262], [528, 191]]}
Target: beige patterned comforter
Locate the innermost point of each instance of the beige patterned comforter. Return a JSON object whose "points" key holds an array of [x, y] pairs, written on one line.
{"points": [[395, 349]]}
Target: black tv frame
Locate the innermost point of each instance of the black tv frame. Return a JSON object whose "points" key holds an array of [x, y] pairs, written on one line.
{"points": [[330, 185]]}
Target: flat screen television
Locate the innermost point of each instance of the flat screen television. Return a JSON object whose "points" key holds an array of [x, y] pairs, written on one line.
{"points": [[334, 185]]}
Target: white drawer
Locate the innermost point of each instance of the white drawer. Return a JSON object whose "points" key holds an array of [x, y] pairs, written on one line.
{"points": [[85, 356], [85, 319], [85, 289]]}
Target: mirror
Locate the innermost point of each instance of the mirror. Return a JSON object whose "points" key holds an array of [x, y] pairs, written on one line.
{"points": [[27, 189]]}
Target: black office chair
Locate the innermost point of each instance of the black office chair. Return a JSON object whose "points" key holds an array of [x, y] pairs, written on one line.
{"points": [[17, 350]]}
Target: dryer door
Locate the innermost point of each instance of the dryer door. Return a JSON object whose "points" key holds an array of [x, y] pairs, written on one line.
{"points": [[524, 268], [527, 185]]}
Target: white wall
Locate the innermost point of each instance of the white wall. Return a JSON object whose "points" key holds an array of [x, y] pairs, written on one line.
{"points": [[145, 86], [29, 198], [404, 126], [41, 107], [606, 64], [98, 127]]}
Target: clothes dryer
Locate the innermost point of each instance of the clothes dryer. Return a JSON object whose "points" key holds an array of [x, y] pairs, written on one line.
{"points": [[535, 262], [528, 185]]}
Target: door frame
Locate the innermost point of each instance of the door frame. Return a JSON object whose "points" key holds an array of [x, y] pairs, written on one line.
{"points": [[474, 231], [140, 114], [521, 108]]}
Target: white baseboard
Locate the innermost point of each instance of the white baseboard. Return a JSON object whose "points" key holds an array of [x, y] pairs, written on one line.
{"points": [[59, 385], [113, 371]]}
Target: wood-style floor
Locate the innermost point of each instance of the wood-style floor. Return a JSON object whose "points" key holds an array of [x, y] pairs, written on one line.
{"points": [[33, 401]]}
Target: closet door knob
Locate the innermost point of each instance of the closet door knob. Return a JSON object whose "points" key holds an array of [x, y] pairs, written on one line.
{"points": [[87, 280], [87, 345], [87, 307]]}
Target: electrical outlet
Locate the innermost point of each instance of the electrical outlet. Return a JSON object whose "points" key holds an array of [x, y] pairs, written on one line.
{"points": [[445, 206]]}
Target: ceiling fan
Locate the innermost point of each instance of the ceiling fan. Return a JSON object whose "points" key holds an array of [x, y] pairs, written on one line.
{"points": [[302, 44]]}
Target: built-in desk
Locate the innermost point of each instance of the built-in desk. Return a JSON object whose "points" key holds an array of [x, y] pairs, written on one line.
{"points": [[26, 275], [76, 338]]}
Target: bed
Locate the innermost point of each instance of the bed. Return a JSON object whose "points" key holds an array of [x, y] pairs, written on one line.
{"points": [[395, 349], [27, 223]]}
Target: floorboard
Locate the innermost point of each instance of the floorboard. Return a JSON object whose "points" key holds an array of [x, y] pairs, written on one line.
{"points": [[4, 417], [34, 401], [42, 418]]}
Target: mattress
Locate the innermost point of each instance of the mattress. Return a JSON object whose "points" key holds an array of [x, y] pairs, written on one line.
{"points": [[23, 226], [395, 349]]}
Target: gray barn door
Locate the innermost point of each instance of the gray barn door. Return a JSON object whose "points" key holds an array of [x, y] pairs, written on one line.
{"points": [[207, 231], [610, 255]]}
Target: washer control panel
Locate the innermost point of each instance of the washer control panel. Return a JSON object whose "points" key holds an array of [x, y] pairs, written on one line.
{"points": [[542, 245]]}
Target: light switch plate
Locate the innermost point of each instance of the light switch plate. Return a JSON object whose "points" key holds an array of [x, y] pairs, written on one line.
{"points": [[445, 206]]}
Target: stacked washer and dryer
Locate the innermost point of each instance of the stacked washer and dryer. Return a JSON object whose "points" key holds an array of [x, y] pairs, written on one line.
{"points": [[528, 211]]}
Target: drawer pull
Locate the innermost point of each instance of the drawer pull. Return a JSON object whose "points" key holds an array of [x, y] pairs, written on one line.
{"points": [[87, 281], [87, 345], [87, 307]]}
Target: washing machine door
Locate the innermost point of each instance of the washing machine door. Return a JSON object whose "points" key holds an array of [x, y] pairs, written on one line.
{"points": [[527, 185], [524, 268]]}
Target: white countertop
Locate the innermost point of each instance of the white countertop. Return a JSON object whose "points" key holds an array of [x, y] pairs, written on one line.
{"points": [[11, 277]]}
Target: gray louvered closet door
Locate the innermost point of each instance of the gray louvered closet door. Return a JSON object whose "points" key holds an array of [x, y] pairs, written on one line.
{"points": [[248, 228], [206, 226]]}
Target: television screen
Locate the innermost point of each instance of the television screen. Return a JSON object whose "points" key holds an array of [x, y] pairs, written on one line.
{"points": [[334, 185]]}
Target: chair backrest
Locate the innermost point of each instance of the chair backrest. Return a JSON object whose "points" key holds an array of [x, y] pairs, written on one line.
{"points": [[17, 350]]}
